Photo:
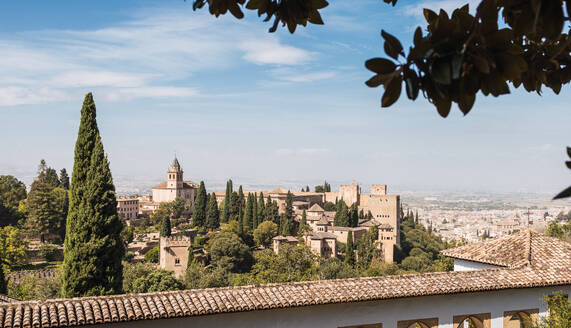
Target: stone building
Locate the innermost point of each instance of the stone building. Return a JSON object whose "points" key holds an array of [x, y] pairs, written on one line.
{"points": [[279, 241], [301, 199], [322, 243], [387, 242], [174, 254], [128, 207], [342, 232], [528, 267], [175, 186]]}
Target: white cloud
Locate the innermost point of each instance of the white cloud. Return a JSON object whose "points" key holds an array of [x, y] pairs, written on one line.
{"points": [[294, 75], [124, 94], [13, 96], [153, 56], [270, 51]]}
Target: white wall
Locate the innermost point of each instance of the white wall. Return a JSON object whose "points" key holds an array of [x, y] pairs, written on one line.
{"points": [[463, 265], [387, 312]]}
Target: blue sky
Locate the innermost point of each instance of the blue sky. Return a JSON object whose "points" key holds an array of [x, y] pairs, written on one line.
{"points": [[235, 101]]}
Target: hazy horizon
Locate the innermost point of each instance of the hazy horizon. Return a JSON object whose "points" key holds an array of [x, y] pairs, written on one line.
{"points": [[233, 101]]}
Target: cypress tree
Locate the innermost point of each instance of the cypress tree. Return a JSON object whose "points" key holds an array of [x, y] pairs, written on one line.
{"points": [[63, 179], [256, 218], [354, 215], [3, 284], [341, 215], [350, 250], [165, 227], [303, 227], [227, 202], [93, 246], [199, 214], [268, 214], [241, 204], [212, 213], [261, 208], [248, 219], [234, 207], [286, 222]]}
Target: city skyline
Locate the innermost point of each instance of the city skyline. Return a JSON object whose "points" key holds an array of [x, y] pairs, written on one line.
{"points": [[235, 101]]}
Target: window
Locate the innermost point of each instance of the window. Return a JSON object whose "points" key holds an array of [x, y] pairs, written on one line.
{"points": [[176, 261], [422, 323], [520, 319]]}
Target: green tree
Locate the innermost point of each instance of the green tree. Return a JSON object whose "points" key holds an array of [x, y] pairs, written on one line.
{"points": [[228, 251], [329, 207], [341, 214], [63, 179], [12, 247], [41, 208], [212, 213], [157, 281], [165, 230], [303, 226], [286, 223], [199, 214], [241, 204], [353, 215], [333, 268], [152, 256], [12, 191], [177, 207], [559, 315], [271, 210], [248, 219], [51, 178], [350, 250], [93, 247], [227, 202], [261, 208], [234, 208], [264, 233], [3, 284]]}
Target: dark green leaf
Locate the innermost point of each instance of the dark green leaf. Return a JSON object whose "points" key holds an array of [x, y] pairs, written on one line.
{"points": [[564, 194], [443, 106], [380, 65], [456, 66], [411, 80], [236, 11], [569, 152], [374, 81], [393, 47], [466, 102], [481, 64], [429, 15], [392, 91], [440, 71]]}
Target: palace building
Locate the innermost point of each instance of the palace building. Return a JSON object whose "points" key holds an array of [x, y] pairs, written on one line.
{"points": [[175, 186]]}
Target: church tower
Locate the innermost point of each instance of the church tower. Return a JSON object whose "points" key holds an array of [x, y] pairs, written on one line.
{"points": [[175, 180]]}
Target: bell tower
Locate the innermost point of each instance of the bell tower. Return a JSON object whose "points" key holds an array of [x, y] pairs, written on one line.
{"points": [[175, 175]]}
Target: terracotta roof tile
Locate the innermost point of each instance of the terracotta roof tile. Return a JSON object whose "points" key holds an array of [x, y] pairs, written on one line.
{"points": [[547, 265]]}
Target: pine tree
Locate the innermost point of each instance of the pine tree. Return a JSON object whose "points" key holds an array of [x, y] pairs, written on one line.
{"points": [[212, 213], [416, 217], [199, 214], [248, 219], [165, 227], [63, 179], [350, 249], [41, 207], [261, 208], [303, 227], [51, 177], [268, 213], [93, 246], [227, 202]]}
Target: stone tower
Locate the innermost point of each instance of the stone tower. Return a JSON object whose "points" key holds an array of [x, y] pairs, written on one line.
{"points": [[175, 180]]}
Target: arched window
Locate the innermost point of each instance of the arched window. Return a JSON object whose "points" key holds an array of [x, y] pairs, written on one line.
{"points": [[481, 320], [418, 323], [520, 319]]}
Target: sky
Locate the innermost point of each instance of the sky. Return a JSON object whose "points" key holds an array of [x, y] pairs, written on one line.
{"points": [[234, 101]]}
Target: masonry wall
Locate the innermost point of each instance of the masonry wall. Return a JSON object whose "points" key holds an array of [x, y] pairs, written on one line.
{"points": [[387, 312]]}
